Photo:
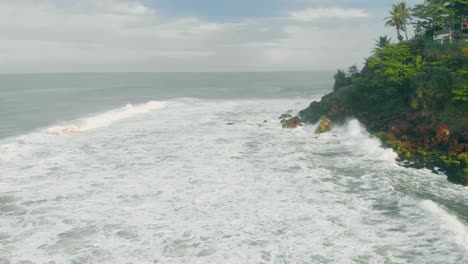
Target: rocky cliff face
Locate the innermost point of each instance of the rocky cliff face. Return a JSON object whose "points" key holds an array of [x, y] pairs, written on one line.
{"points": [[420, 140], [413, 96]]}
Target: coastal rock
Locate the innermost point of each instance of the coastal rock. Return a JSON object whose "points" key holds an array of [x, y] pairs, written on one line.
{"points": [[324, 126], [313, 113], [443, 134], [292, 122], [425, 128], [285, 116]]}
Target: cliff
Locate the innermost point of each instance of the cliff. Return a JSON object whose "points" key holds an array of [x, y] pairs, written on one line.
{"points": [[412, 96]]}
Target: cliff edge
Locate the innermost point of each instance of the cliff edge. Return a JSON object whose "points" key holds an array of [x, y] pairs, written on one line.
{"points": [[413, 96]]}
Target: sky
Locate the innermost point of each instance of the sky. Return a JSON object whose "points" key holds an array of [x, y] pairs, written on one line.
{"points": [[41, 36]]}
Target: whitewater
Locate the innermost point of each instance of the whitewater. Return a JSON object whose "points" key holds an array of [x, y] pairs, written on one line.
{"points": [[217, 180]]}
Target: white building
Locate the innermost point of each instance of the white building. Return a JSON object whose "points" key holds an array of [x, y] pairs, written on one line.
{"points": [[450, 35]]}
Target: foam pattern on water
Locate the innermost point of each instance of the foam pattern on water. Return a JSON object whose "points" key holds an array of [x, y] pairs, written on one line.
{"points": [[180, 185], [106, 119]]}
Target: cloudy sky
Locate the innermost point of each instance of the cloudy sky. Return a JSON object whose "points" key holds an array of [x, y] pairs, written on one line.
{"points": [[187, 35]]}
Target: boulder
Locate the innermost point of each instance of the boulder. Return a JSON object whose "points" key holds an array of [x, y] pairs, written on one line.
{"points": [[325, 125], [313, 113], [292, 122], [443, 134], [285, 116]]}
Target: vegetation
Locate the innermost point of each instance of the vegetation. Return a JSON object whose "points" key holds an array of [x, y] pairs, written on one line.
{"points": [[344, 78], [436, 15], [413, 95], [399, 18], [381, 43]]}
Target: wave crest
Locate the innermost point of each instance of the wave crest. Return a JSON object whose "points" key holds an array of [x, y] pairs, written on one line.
{"points": [[107, 118]]}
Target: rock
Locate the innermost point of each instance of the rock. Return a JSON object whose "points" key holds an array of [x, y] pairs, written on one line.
{"points": [[400, 127], [292, 123], [443, 134], [313, 113], [285, 116], [230, 124], [324, 126]]}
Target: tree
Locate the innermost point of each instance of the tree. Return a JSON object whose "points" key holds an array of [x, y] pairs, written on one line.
{"points": [[430, 16], [353, 72], [399, 18], [381, 43], [393, 66], [405, 13], [434, 15], [459, 9], [341, 80], [433, 86]]}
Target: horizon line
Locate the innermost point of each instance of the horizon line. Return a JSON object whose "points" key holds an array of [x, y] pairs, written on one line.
{"points": [[111, 72]]}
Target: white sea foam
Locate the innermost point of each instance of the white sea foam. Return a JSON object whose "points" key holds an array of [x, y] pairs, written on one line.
{"points": [[355, 134], [107, 118], [17, 147], [449, 222], [201, 191]]}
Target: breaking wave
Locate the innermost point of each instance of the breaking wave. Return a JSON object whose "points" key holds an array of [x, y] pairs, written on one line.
{"points": [[106, 118], [202, 191], [17, 147], [353, 134]]}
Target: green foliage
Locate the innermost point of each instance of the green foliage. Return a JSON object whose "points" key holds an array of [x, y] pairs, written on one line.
{"points": [[344, 79], [417, 45], [430, 15], [458, 8], [447, 54], [420, 82], [434, 15], [393, 66], [451, 163], [399, 18], [460, 93], [381, 43], [341, 80], [433, 85], [416, 75], [353, 72]]}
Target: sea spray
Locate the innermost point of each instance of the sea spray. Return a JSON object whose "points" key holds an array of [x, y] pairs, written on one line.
{"points": [[353, 133]]}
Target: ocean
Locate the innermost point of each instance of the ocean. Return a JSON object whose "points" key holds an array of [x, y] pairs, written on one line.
{"points": [[195, 168]]}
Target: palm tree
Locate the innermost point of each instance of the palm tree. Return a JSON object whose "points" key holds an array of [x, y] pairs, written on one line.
{"points": [[399, 18], [405, 13], [381, 43]]}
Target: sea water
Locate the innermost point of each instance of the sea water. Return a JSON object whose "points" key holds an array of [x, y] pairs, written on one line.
{"points": [[195, 168]]}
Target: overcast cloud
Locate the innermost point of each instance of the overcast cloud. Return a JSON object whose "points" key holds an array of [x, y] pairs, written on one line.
{"points": [[127, 35]]}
